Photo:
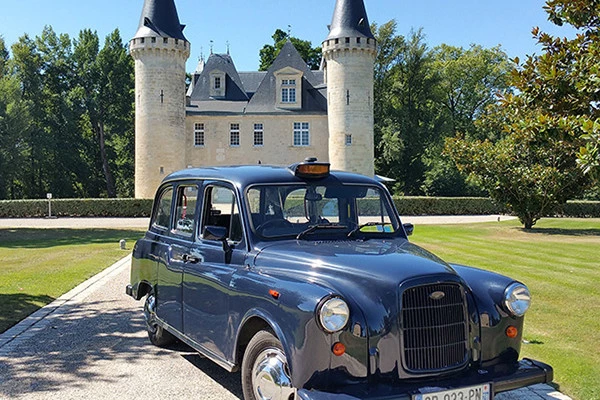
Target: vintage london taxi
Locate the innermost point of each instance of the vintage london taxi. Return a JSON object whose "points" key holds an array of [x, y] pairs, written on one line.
{"points": [[304, 279]]}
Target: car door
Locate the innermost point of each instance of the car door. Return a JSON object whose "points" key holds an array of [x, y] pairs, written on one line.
{"points": [[175, 253], [221, 249]]}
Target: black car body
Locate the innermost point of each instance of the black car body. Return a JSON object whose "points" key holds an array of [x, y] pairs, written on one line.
{"points": [[305, 279]]}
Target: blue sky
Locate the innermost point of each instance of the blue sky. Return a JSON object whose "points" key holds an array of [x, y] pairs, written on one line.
{"points": [[248, 25]]}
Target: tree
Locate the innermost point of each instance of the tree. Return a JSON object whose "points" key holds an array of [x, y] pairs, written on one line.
{"points": [[469, 80], [549, 128], [532, 169], [406, 119], [105, 86], [76, 135], [268, 54], [15, 122], [3, 57]]}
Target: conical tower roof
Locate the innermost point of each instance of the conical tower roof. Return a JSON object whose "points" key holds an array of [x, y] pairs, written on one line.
{"points": [[350, 20], [160, 17]]}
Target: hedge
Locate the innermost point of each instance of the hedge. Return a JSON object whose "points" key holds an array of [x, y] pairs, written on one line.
{"points": [[143, 207], [581, 209], [76, 208], [447, 206]]}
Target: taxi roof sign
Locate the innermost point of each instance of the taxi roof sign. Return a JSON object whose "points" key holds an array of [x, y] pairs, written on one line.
{"points": [[310, 168]]}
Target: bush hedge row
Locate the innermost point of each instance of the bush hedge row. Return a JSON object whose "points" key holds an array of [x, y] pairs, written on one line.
{"points": [[143, 207], [76, 208], [447, 206]]}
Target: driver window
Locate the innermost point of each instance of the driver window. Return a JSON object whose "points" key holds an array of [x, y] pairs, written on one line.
{"points": [[221, 209], [185, 211]]}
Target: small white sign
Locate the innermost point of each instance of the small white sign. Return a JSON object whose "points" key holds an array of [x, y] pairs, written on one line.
{"points": [[48, 196]]}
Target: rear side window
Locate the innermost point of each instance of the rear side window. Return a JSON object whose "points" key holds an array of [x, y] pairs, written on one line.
{"points": [[162, 217], [185, 211]]}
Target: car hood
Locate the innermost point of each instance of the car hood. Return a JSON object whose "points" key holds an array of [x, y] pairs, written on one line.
{"points": [[390, 260], [368, 274]]}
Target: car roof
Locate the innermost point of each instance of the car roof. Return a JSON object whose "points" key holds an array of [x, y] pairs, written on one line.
{"points": [[246, 175]]}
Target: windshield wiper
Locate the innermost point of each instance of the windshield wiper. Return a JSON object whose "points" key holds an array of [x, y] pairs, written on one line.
{"points": [[359, 227], [313, 228]]}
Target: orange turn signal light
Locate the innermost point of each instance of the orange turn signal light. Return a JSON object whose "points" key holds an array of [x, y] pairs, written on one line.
{"points": [[274, 293], [512, 332], [338, 349]]}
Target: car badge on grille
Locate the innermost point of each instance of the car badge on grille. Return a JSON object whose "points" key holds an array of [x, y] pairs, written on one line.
{"points": [[437, 295]]}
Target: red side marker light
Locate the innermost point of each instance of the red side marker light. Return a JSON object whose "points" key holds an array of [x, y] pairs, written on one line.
{"points": [[274, 293], [512, 332], [338, 349]]}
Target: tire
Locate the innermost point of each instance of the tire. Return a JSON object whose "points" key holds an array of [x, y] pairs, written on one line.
{"points": [[265, 372], [156, 333]]}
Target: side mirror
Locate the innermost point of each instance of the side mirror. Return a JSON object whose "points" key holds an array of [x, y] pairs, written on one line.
{"points": [[408, 228]]}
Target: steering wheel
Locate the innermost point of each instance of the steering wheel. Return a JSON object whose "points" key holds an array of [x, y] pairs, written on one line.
{"points": [[274, 223]]}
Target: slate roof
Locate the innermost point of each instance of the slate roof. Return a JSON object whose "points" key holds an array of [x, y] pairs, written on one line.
{"points": [[233, 84], [160, 17], [264, 100], [255, 92], [350, 20]]}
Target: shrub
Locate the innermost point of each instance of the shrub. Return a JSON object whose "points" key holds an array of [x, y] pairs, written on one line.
{"points": [[76, 208], [581, 209], [405, 206], [447, 206]]}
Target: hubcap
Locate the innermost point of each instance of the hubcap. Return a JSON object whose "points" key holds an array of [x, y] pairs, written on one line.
{"points": [[149, 311], [270, 376]]}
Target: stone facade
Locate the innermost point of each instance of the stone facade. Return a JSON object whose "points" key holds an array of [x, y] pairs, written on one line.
{"points": [[278, 140]]}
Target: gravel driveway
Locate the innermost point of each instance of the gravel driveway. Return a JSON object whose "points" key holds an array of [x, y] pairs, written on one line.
{"points": [[91, 344]]}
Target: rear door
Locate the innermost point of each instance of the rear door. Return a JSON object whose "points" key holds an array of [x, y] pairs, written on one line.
{"points": [[175, 253]]}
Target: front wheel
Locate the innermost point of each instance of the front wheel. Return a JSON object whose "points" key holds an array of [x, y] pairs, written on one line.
{"points": [[157, 334], [265, 372]]}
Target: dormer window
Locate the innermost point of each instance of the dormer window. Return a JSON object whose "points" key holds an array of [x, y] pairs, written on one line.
{"points": [[288, 91], [289, 88], [217, 84]]}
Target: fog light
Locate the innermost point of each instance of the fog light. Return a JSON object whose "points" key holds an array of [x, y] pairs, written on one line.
{"points": [[338, 349], [512, 332]]}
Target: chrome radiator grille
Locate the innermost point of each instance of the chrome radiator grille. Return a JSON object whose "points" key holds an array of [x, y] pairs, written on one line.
{"points": [[434, 327]]}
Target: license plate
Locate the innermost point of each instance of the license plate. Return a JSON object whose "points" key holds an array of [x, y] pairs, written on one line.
{"points": [[480, 392]]}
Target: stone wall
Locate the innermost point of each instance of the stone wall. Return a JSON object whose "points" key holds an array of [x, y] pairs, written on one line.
{"points": [[278, 148], [349, 63]]}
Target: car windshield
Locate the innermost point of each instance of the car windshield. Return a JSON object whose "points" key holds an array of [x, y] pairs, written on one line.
{"points": [[311, 211]]}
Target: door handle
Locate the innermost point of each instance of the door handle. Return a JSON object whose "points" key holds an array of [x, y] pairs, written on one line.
{"points": [[190, 258]]}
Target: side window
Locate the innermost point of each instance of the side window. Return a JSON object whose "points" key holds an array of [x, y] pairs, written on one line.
{"points": [[185, 210], [371, 208], [221, 209], [162, 217]]}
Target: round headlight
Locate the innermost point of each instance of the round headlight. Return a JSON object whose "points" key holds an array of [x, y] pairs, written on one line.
{"points": [[333, 314], [517, 299]]}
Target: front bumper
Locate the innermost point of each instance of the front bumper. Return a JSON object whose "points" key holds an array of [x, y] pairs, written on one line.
{"points": [[529, 372]]}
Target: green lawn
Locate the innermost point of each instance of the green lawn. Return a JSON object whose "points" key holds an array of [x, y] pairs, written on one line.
{"points": [[560, 262], [39, 265]]}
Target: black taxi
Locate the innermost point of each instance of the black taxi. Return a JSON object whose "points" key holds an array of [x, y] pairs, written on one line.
{"points": [[305, 280]]}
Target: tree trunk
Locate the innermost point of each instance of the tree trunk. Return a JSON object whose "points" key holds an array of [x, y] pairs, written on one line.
{"points": [[110, 181]]}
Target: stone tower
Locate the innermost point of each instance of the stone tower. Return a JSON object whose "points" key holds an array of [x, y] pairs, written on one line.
{"points": [[349, 55], [160, 51]]}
